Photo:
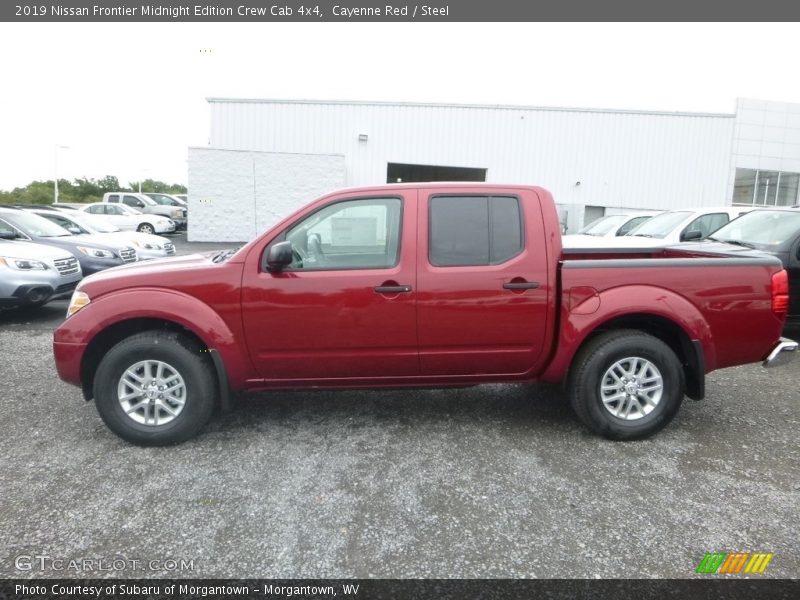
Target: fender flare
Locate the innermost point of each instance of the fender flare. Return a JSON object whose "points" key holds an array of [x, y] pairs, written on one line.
{"points": [[579, 322], [232, 363]]}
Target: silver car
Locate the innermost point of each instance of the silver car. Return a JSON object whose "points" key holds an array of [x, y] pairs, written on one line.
{"points": [[32, 274], [79, 223]]}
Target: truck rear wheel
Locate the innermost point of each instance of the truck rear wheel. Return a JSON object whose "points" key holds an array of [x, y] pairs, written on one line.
{"points": [[626, 385], [155, 388]]}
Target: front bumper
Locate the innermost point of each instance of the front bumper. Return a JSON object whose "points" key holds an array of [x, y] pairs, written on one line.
{"points": [[68, 358], [26, 295], [35, 288], [90, 265], [783, 352], [153, 254]]}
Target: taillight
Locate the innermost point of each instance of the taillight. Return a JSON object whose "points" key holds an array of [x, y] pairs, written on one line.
{"points": [[780, 293]]}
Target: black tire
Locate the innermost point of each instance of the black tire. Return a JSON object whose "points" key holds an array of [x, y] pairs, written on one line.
{"points": [[183, 357], [593, 364], [146, 228]]}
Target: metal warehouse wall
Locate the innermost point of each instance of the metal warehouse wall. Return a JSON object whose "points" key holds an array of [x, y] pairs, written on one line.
{"points": [[622, 159], [237, 195]]}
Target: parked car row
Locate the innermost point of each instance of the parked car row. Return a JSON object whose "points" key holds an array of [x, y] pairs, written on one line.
{"points": [[152, 204], [45, 251], [772, 230], [131, 219], [670, 227]]}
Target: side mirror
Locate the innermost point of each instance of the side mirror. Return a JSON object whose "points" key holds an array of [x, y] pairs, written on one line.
{"points": [[8, 235], [693, 234], [279, 256], [74, 230], [139, 204]]}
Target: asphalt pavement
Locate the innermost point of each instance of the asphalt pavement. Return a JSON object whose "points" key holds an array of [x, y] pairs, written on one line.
{"points": [[497, 481]]}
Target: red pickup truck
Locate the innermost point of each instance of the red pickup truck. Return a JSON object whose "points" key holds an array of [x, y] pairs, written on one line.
{"points": [[424, 285]]}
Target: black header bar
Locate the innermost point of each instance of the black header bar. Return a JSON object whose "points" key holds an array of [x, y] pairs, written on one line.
{"points": [[401, 11], [706, 588]]}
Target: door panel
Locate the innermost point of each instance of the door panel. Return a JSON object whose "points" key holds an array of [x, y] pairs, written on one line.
{"points": [[328, 321], [480, 319]]}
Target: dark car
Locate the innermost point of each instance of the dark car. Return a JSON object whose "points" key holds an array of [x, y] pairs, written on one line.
{"points": [[93, 256], [776, 231]]}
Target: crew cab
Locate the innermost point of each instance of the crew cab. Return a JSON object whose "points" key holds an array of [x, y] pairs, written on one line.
{"points": [[436, 285]]}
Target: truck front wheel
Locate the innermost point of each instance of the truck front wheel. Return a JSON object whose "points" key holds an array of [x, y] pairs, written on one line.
{"points": [[155, 388], [626, 385]]}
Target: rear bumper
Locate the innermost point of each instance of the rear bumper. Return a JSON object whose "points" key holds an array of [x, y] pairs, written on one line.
{"points": [[783, 352]]}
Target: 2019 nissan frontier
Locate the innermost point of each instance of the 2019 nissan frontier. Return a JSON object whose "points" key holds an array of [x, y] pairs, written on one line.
{"points": [[423, 285]]}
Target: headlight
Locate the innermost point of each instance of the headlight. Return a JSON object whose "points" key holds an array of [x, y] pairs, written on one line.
{"points": [[96, 252], [177, 213], [22, 264], [77, 302]]}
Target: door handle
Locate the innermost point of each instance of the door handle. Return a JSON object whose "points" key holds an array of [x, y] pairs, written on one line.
{"points": [[521, 285], [393, 289]]}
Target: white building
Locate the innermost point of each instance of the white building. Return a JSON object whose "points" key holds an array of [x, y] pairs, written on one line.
{"points": [[267, 157]]}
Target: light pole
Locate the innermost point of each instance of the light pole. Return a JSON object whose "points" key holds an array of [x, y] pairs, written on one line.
{"points": [[55, 171]]}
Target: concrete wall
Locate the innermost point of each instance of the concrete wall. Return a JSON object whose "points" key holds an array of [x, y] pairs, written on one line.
{"points": [[236, 195]]}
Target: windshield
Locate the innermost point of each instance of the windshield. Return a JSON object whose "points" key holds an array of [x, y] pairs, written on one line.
{"points": [[761, 227], [661, 225], [128, 210], [604, 225], [100, 225], [94, 224], [35, 226]]}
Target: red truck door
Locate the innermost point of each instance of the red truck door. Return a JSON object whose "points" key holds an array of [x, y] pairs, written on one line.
{"points": [[482, 282], [346, 306]]}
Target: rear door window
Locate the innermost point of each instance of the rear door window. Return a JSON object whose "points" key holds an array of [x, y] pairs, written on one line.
{"points": [[474, 230]]}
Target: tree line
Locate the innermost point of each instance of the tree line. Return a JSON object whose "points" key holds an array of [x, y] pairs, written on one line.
{"points": [[82, 190]]}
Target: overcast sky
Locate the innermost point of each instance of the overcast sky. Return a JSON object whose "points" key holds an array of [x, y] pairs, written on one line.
{"points": [[128, 99]]}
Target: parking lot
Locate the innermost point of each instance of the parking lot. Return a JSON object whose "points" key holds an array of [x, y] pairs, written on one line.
{"points": [[497, 481]]}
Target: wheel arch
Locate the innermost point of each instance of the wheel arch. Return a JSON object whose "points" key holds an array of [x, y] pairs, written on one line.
{"points": [[115, 333], [690, 348], [689, 351]]}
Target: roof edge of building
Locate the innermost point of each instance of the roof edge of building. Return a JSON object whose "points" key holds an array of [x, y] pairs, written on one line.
{"points": [[220, 100]]}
